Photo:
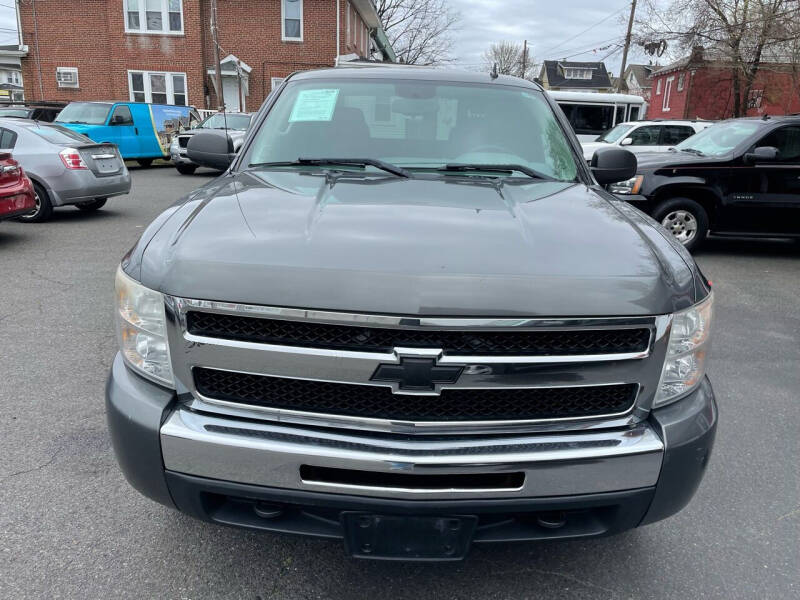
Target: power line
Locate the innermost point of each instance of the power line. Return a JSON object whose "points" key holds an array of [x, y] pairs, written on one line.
{"points": [[600, 22]]}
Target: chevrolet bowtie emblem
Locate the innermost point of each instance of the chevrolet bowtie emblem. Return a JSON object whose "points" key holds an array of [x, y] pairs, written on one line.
{"points": [[417, 374]]}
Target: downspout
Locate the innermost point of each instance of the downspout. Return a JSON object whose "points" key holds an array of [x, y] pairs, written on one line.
{"points": [[338, 26], [38, 56]]}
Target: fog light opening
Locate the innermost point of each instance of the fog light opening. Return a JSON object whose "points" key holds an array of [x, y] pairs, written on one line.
{"points": [[552, 520]]}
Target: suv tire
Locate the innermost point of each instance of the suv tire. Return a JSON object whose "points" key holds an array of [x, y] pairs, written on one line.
{"points": [[89, 205], [44, 208], [144, 162], [186, 169], [685, 219]]}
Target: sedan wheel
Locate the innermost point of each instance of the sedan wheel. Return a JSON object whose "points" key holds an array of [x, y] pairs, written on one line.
{"points": [[43, 209], [682, 224]]}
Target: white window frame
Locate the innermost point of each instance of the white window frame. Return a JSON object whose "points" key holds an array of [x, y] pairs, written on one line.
{"points": [[143, 19], [148, 93], [275, 82], [667, 94], [658, 87], [577, 73], [70, 70], [283, 23]]}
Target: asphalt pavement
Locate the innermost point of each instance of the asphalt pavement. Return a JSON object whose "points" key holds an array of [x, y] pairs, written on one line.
{"points": [[72, 527]]}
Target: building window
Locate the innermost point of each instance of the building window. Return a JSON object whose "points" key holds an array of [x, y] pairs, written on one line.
{"points": [[154, 16], [658, 88], [15, 77], [275, 82], [577, 73], [157, 88], [67, 77], [292, 19], [667, 93], [681, 78]]}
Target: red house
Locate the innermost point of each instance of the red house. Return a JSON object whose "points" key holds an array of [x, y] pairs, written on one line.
{"points": [[161, 50], [697, 88]]}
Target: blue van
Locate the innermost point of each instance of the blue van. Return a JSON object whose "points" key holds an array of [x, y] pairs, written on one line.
{"points": [[141, 131]]}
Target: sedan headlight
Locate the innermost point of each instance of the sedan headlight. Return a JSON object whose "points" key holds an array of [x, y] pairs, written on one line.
{"points": [[685, 363], [142, 329], [630, 186]]}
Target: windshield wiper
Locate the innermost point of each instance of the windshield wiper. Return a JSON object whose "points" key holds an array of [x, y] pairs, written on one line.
{"points": [[693, 151], [359, 162], [458, 167]]}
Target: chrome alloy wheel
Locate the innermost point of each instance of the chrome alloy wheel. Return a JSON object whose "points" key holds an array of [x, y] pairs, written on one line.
{"points": [[682, 224]]}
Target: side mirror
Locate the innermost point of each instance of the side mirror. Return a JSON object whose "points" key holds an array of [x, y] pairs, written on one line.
{"points": [[762, 154], [610, 165], [626, 142], [212, 149]]}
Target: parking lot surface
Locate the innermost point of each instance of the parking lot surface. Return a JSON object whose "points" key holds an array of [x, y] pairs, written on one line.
{"points": [[71, 526]]}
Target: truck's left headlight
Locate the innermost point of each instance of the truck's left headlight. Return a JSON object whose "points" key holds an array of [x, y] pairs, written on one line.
{"points": [[142, 329], [689, 341]]}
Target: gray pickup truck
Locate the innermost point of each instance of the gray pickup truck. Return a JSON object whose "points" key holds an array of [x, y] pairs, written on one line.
{"points": [[409, 317]]}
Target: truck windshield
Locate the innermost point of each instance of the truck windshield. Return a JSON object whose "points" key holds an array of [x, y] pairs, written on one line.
{"points": [[87, 113], [415, 125], [719, 139], [612, 135], [218, 121]]}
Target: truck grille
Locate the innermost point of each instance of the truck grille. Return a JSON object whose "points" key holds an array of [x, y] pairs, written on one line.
{"points": [[377, 339], [380, 403], [183, 140]]}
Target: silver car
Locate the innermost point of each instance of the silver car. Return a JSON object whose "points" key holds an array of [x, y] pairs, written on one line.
{"points": [[65, 167], [236, 124]]}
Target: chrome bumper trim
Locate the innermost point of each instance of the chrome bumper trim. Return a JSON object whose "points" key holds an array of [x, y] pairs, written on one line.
{"points": [[271, 455]]}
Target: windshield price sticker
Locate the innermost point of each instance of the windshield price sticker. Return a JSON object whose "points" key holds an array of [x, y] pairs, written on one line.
{"points": [[314, 105]]}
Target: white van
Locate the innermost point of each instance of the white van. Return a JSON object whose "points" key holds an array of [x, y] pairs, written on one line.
{"points": [[591, 114]]}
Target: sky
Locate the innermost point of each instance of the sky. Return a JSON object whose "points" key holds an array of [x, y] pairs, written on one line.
{"points": [[548, 25]]}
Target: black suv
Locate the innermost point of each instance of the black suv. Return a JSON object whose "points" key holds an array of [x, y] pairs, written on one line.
{"points": [[739, 177], [36, 111]]}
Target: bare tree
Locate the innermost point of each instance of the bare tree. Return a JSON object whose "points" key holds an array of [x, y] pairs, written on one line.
{"points": [[419, 30], [741, 34], [511, 59]]}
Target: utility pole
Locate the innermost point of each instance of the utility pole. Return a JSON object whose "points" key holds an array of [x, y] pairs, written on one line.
{"points": [[627, 45], [218, 68], [524, 57]]}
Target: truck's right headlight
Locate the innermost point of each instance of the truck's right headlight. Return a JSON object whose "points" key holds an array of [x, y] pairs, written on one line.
{"points": [[685, 363], [142, 329]]}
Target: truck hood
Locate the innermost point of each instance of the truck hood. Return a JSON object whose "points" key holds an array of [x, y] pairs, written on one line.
{"points": [[653, 161], [450, 246]]}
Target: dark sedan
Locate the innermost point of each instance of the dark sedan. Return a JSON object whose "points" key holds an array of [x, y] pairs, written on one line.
{"points": [[739, 177]]}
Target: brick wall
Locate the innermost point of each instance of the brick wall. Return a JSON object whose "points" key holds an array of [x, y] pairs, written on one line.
{"points": [[90, 35], [708, 94]]}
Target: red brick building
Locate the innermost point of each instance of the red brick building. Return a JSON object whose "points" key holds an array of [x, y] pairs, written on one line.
{"points": [[161, 50], [698, 88]]}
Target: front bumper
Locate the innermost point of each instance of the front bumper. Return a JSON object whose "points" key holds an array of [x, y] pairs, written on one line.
{"points": [[223, 469], [179, 157]]}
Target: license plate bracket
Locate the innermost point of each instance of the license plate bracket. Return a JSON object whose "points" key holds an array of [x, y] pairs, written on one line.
{"points": [[410, 538], [107, 165]]}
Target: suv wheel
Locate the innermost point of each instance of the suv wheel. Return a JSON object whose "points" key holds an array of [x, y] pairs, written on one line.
{"points": [[91, 204], [685, 219], [186, 169], [44, 208]]}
